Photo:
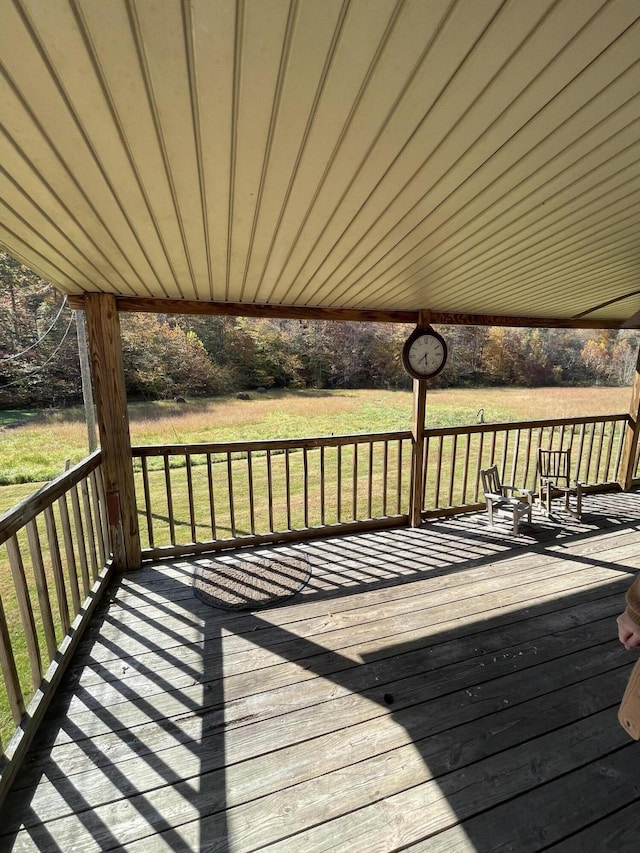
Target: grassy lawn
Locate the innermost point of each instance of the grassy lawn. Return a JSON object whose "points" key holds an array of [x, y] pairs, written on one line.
{"points": [[34, 448]]}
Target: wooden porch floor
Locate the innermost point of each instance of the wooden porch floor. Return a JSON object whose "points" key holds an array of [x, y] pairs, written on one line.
{"points": [[452, 688]]}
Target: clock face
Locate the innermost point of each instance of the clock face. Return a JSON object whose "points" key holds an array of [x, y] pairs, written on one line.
{"points": [[425, 354]]}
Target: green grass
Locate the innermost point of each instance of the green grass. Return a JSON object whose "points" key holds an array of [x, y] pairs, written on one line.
{"points": [[37, 450]]}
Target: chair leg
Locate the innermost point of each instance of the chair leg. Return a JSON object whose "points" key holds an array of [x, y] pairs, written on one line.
{"points": [[490, 511], [515, 520]]}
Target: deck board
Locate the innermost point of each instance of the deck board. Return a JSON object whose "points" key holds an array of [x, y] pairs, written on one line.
{"points": [[436, 689]]}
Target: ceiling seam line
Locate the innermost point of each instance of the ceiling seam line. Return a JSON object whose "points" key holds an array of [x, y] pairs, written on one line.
{"points": [[531, 257], [514, 236], [432, 254], [31, 201], [441, 143], [610, 222], [341, 136], [37, 41], [397, 101], [44, 239], [110, 102], [136, 31], [190, 52], [538, 188], [273, 122], [233, 148], [340, 286], [301, 150], [69, 175]]}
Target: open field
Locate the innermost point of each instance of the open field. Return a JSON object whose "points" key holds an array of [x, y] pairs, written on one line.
{"points": [[35, 449]]}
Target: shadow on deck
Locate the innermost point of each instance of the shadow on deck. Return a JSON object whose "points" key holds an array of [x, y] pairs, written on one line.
{"points": [[452, 688]]}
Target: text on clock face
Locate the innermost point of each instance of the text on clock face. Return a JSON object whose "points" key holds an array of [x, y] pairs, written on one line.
{"points": [[426, 353]]}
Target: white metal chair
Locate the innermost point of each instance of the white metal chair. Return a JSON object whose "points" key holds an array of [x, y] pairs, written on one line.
{"points": [[554, 470], [504, 499]]}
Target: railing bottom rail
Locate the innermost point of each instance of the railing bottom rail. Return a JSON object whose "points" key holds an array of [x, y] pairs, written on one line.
{"points": [[258, 540]]}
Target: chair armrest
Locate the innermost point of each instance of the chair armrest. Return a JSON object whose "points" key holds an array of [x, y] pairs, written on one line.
{"points": [[526, 493]]}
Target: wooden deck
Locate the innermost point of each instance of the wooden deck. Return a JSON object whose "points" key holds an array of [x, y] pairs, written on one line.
{"points": [[452, 688]]}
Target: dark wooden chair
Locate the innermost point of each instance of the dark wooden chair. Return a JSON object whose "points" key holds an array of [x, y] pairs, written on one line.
{"points": [[504, 499], [554, 470]]}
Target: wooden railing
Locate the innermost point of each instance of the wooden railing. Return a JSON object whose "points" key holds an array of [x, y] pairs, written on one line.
{"points": [[454, 457], [199, 497], [53, 567]]}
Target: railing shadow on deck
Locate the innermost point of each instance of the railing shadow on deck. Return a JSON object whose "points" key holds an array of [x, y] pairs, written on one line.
{"points": [[428, 686]]}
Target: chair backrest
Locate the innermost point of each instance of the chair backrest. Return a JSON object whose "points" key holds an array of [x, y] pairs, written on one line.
{"points": [[491, 483], [555, 465]]}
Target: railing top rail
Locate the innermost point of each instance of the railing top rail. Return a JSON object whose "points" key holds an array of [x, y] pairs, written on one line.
{"points": [[15, 518], [266, 444], [510, 425]]}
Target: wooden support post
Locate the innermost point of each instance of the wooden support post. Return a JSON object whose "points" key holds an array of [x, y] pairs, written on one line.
{"points": [[417, 434], [103, 326], [627, 465], [417, 444]]}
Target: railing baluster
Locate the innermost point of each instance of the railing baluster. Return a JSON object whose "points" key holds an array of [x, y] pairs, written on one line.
{"points": [[339, 483], [10, 670], [465, 470], [270, 491], [212, 505], [147, 501], [167, 482], [305, 485], [232, 512], [26, 610], [590, 449], [287, 481], [42, 589], [600, 446], [527, 459], [438, 471], [578, 463], [425, 471], [72, 571], [562, 432], [192, 508], [370, 484], [58, 573], [322, 486], [89, 528], [252, 513], [479, 467], [505, 448], [95, 504], [385, 477], [452, 468], [354, 476], [607, 466], [514, 463], [623, 426], [104, 524], [399, 479], [82, 552]]}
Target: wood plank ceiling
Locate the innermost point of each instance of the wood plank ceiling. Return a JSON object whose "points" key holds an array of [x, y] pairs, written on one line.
{"points": [[477, 157]]}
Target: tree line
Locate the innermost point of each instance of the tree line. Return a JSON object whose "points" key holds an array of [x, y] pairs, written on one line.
{"points": [[185, 355]]}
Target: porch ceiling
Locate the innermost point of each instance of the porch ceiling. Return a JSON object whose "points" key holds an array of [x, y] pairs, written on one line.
{"points": [[476, 157]]}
